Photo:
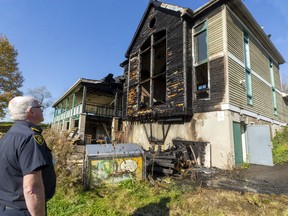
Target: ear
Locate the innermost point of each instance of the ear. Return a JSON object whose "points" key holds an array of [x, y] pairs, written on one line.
{"points": [[30, 112]]}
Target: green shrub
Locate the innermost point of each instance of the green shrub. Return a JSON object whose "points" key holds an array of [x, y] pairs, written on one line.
{"points": [[280, 146], [5, 126]]}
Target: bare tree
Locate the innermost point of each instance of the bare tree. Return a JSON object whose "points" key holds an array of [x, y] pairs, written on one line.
{"points": [[42, 95], [284, 82]]}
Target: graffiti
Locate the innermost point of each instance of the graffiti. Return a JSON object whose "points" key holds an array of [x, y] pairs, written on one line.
{"points": [[103, 169], [115, 170], [128, 165]]}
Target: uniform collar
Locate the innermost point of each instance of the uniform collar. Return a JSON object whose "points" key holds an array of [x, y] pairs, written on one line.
{"points": [[29, 124]]}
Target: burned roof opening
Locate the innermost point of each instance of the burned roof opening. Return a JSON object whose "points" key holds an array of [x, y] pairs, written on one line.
{"points": [[152, 23]]}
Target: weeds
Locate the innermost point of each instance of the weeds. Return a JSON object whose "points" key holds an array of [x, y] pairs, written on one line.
{"points": [[142, 198], [280, 146], [153, 197], [67, 167]]}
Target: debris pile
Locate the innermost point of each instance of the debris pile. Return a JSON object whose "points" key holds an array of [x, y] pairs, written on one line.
{"points": [[182, 156]]}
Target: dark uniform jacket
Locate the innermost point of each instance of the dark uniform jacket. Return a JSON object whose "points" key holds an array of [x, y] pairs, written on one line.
{"points": [[22, 151]]}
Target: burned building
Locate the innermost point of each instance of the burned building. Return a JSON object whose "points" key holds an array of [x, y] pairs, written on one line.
{"points": [[90, 109], [205, 76]]}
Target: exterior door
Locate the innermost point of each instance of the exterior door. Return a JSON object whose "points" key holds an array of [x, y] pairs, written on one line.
{"points": [[259, 145], [237, 143]]}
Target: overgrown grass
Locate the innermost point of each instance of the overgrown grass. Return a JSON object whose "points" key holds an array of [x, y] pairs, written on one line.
{"points": [[162, 198], [280, 146]]}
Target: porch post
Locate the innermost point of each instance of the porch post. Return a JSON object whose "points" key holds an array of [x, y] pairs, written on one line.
{"points": [[73, 100], [81, 126], [116, 103], [84, 99]]}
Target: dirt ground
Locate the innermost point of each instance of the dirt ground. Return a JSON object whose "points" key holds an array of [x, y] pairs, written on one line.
{"points": [[256, 178]]}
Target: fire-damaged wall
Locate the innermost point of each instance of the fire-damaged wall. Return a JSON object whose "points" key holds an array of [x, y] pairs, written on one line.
{"points": [[159, 82], [217, 88], [184, 81], [182, 115]]}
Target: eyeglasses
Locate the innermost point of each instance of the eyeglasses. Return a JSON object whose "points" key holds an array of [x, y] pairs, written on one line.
{"points": [[41, 107]]}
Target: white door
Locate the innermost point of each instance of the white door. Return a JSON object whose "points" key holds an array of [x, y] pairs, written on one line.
{"points": [[259, 145]]}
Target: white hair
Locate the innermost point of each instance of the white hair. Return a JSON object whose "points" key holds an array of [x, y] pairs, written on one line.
{"points": [[19, 106]]}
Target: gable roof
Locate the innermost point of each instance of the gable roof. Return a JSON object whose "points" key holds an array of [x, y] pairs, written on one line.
{"points": [[73, 87], [239, 8], [181, 10], [238, 5], [117, 80]]}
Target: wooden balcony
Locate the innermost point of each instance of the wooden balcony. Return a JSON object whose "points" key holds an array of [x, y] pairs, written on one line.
{"points": [[90, 109], [102, 110]]}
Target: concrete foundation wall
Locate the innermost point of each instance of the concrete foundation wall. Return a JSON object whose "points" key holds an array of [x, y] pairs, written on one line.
{"points": [[212, 127], [215, 128]]}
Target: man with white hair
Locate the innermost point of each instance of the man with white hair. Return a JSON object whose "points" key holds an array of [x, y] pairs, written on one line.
{"points": [[27, 175]]}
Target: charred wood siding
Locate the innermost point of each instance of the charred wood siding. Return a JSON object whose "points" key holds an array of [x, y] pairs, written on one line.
{"points": [[175, 92], [217, 88], [125, 90], [132, 91], [189, 68], [216, 66], [175, 85]]}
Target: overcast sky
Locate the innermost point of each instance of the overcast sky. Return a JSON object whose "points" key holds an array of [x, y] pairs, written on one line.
{"points": [[60, 41]]}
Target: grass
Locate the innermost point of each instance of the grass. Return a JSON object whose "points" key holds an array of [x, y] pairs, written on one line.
{"points": [[165, 197], [162, 198]]}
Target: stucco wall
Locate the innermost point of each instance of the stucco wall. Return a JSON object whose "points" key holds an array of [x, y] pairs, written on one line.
{"points": [[212, 127]]}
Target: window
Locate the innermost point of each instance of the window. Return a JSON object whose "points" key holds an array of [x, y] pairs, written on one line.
{"points": [[200, 40], [248, 69], [152, 23], [153, 71], [273, 88], [201, 61]]}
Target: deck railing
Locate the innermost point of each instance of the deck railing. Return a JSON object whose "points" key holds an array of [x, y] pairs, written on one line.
{"points": [[91, 109]]}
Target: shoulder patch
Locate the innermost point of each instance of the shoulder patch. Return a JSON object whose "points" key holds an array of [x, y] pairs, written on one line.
{"points": [[35, 129], [39, 139]]}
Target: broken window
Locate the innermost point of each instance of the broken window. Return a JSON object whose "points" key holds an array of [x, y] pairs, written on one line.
{"points": [[153, 71], [201, 73], [201, 61]]}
